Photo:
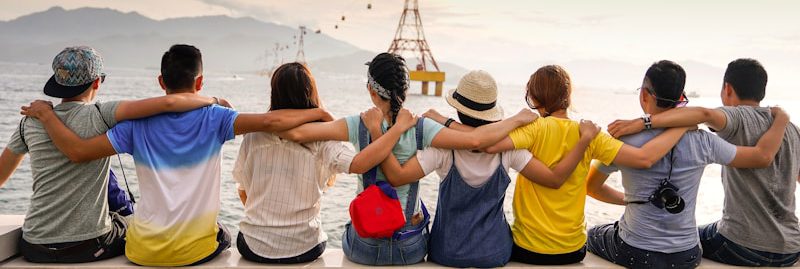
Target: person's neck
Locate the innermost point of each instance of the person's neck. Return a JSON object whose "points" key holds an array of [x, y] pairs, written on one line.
{"points": [[657, 110], [749, 103], [562, 114], [84, 99], [181, 91], [386, 114]]}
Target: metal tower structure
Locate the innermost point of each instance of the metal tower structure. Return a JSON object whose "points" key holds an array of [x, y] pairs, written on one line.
{"points": [[301, 55], [411, 37]]}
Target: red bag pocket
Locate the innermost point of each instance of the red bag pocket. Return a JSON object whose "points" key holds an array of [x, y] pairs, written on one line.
{"points": [[376, 212]]}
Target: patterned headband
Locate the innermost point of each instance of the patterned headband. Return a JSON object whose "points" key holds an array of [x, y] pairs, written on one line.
{"points": [[380, 90]]}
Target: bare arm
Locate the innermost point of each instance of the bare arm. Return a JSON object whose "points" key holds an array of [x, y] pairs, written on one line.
{"points": [[483, 136], [539, 173], [597, 189], [678, 117], [178, 102], [8, 164], [763, 153], [650, 153], [277, 120], [74, 147], [504, 145], [382, 145], [435, 116], [317, 131]]}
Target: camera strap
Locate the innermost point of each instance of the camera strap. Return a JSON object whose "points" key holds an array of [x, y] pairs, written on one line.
{"points": [[669, 175]]}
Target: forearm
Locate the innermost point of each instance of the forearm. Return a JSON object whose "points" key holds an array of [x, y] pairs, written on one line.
{"points": [[63, 138], [650, 153], [285, 119], [567, 165], [128, 110], [607, 194], [490, 134], [770, 142], [375, 152], [9, 161], [681, 117]]}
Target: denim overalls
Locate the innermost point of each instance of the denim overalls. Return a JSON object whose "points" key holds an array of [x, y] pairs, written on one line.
{"points": [[409, 245], [470, 229]]}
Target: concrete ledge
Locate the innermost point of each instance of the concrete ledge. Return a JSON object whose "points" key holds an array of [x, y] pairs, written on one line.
{"points": [[10, 231], [333, 258]]}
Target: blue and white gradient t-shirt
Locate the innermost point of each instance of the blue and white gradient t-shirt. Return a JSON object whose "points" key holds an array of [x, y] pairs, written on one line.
{"points": [[177, 159]]}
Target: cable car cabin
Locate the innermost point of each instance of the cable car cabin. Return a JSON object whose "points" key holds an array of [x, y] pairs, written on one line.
{"points": [[428, 76]]}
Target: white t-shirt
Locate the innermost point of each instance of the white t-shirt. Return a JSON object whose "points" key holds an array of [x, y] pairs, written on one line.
{"points": [[475, 167], [284, 182]]}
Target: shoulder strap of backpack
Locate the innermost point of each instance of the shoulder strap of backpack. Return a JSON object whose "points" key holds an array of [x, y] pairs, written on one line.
{"points": [[419, 133], [370, 177]]}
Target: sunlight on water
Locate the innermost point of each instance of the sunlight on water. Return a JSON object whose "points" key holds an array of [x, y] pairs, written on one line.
{"points": [[343, 95]]}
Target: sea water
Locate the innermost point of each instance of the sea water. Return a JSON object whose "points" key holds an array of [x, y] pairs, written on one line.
{"points": [[343, 96]]}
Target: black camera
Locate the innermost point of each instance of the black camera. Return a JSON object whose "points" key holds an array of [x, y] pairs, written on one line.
{"points": [[667, 197]]}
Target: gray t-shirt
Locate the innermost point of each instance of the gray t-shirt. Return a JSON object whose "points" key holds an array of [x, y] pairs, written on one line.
{"points": [[648, 227], [69, 201], [760, 203]]}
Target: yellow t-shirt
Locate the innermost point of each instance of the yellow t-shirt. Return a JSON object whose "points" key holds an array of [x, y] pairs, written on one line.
{"points": [[549, 221]]}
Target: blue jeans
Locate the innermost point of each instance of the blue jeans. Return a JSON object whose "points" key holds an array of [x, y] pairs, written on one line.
{"points": [[718, 248], [604, 241], [384, 251]]}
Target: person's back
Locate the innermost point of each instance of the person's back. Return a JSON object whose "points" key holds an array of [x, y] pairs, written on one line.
{"points": [[68, 202], [177, 159], [551, 221], [469, 215], [648, 227], [759, 209], [284, 182]]}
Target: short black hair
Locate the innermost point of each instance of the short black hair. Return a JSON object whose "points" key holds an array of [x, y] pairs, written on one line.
{"points": [[748, 79], [470, 121], [180, 65], [668, 79]]}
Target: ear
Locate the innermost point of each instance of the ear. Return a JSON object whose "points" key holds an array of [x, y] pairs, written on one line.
{"points": [[371, 92], [729, 92], [96, 84], [161, 83], [198, 83]]}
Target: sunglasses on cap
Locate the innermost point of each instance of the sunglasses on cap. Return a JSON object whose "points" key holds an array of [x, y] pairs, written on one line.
{"points": [[681, 102]]}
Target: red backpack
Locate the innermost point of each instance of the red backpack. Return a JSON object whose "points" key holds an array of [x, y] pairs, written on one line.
{"points": [[376, 212]]}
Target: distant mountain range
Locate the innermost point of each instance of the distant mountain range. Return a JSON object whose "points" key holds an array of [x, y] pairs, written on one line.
{"points": [[132, 40]]}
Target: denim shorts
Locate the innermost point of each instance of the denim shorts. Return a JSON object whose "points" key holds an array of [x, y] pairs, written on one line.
{"points": [[718, 248], [384, 251], [604, 241]]}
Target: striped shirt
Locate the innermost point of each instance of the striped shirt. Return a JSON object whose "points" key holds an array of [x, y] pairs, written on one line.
{"points": [[284, 182]]}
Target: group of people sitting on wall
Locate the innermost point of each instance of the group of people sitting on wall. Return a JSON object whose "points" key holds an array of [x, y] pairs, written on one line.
{"points": [[291, 153]]}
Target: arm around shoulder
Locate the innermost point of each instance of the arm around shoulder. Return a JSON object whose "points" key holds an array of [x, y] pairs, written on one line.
{"points": [[69, 143]]}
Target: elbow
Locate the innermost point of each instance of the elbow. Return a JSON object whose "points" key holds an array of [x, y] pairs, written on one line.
{"points": [[644, 163], [474, 143], [296, 137], [358, 169], [171, 103], [764, 161], [554, 185]]}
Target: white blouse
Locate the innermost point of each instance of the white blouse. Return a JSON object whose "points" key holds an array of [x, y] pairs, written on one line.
{"points": [[284, 182]]}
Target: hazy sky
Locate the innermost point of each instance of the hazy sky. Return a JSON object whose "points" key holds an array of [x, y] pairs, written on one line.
{"points": [[510, 38]]}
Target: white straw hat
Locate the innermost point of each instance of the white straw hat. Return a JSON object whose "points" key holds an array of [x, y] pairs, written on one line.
{"points": [[476, 96]]}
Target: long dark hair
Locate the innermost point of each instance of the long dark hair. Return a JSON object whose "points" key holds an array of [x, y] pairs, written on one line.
{"points": [[293, 86], [389, 70]]}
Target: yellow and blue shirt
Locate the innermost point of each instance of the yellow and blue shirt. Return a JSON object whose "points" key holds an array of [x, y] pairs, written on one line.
{"points": [[177, 158]]}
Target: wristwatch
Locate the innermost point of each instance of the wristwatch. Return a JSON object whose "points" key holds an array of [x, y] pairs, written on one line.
{"points": [[648, 123]]}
